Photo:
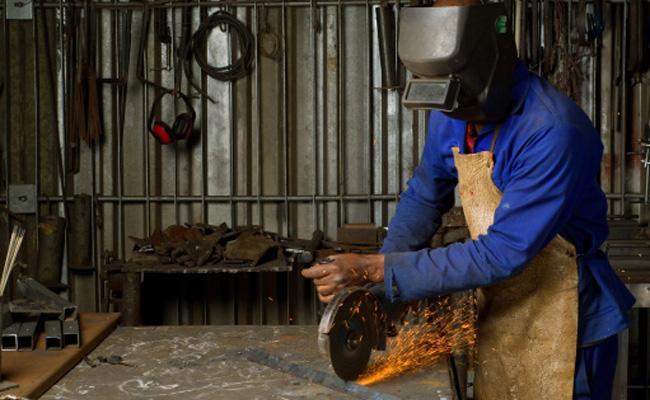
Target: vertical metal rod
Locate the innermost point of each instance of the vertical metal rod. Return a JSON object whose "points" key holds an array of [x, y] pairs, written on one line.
{"points": [[369, 111], [285, 140], [37, 124], [120, 166], [175, 109], [398, 105], [285, 120], [64, 99], [258, 122], [231, 133], [7, 94], [340, 180], [145, 147], [258, 167], [204, 140], [624, 132], [314, 100], [314, 54]]}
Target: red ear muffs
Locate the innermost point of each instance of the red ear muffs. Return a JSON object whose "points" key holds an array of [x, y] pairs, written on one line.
{"points": [[162, 133], [183, 123]]}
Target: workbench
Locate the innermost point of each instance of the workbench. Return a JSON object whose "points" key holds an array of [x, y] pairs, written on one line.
{"points": [[133, 279], [229, 362]]}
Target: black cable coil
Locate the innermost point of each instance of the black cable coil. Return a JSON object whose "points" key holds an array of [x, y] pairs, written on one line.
{"points": [[197, 46]]}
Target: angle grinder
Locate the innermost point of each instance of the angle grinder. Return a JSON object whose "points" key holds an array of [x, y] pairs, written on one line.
{"points": [[357, 321]]}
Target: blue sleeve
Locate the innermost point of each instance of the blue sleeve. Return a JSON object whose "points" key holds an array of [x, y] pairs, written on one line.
{"points": [[430, 194], [537, 203]]}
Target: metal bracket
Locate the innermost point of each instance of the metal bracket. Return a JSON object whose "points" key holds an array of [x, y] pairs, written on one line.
{"points": [[22, 199], [53, 335], [71, 336], [19, 9]]}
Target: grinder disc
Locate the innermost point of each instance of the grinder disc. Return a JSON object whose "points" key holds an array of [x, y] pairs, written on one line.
{"points": [[349, 331]]}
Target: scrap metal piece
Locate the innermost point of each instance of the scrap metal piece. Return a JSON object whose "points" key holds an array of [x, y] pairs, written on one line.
{"points": [[352, 325], [362, 234], [71, 336], [10, 337], [40, 300], [27, 334], [53, 335]]}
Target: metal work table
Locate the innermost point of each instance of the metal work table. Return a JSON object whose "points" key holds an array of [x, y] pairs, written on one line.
{"points": [[227, 362], [133, 278]]}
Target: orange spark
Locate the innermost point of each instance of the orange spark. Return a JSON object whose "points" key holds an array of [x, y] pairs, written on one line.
{"points": [[443, 328]]}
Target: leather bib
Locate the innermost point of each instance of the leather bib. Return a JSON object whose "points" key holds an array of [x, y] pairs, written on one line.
{"points": [[527, 324]]}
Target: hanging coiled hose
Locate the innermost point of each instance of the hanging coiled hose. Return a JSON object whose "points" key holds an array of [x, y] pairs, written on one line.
{"points": [[196, 47]]}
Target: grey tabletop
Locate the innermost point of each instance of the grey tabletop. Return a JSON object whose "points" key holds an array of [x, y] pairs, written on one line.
{"points": [[228, 362]]}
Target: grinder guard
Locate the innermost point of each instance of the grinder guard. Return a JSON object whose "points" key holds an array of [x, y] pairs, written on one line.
{"points": [[462, 58]]}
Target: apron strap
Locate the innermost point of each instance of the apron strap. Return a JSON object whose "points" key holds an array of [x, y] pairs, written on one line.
{"points": [[497, 129]]}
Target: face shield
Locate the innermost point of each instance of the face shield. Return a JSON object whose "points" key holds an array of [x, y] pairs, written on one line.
{"points": [[462, 59]]}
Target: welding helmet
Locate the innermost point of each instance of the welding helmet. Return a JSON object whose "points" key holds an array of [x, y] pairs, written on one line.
{"points": [[462, 59]]}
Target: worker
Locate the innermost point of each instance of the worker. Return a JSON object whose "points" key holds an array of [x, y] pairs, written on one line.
{"points": [[525, 160]]}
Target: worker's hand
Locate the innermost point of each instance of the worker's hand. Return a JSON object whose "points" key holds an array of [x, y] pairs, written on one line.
{"points": [[345, 270]]}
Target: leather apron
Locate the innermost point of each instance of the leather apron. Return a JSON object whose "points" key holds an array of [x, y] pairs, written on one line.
{"points": [[527, 324]]}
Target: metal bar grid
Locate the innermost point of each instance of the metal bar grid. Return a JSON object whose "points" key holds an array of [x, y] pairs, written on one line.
{"points": [[328, 199]]}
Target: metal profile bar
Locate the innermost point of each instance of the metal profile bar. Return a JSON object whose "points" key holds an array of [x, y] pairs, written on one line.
{"points": [[27, 334], [71, 336], [53, 335], [10, 337]]}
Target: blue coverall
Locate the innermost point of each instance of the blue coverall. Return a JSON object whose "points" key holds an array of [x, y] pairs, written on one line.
{"points": [[547, 161]]}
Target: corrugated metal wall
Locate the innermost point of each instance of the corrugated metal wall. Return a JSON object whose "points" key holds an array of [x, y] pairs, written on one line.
{"points": [[309, 140]]}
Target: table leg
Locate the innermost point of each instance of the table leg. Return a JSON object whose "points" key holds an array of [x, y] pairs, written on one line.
{"points": [[131, 299]]}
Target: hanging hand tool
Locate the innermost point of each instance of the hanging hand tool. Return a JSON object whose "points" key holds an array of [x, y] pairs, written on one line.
{"points": [[386, 34], [549, 53], [93, 130], [635, 62], [535, 42]]}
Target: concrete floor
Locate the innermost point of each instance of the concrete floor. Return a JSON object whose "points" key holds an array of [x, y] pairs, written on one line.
{"points": [[210, 362]]}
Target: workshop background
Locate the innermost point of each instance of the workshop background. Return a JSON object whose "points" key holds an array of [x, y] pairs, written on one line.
{"points": [[311, 137]]}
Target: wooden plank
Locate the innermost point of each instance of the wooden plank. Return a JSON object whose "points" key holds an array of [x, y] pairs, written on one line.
{"points": [[36, 371]]}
